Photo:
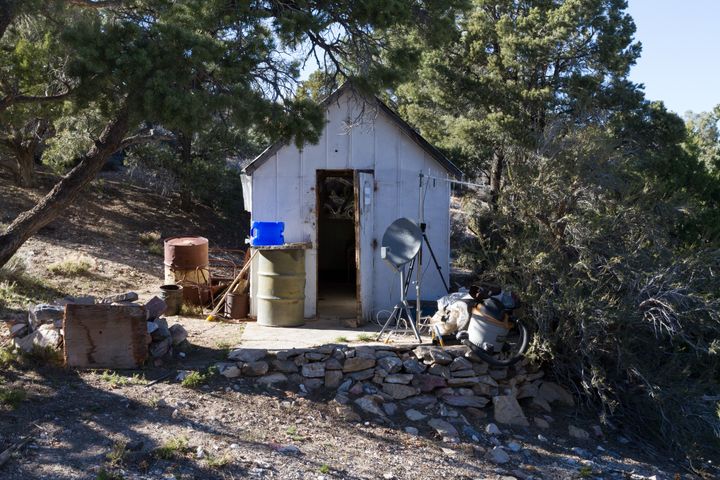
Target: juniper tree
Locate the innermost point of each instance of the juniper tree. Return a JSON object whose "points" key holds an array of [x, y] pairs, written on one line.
{"points": [[179, 63]]}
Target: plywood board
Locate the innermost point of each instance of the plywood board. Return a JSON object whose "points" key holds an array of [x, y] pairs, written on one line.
{"points": [[105, 336]]}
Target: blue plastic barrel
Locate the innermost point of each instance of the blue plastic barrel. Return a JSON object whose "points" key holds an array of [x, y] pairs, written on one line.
{"points": [[267, 233]]}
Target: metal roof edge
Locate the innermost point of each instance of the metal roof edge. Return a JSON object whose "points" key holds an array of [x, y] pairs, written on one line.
{"points": [[404, 126]]}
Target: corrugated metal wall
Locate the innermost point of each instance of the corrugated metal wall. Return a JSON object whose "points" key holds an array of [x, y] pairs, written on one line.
{"points": [[283, 189]]}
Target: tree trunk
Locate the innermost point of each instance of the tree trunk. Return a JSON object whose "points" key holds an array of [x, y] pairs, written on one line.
{"points": [[7, 12], [185, 145], [66, 190], [25, 173], [496, 173]]}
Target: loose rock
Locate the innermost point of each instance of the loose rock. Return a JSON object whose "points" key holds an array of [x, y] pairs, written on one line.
{"points": [[390, 364], [492, 429], [438, 356], [178, 334], [369, 403], [358, 363], [463, 382], [576, 432], [414, 415], [155, 307], [413, 366], [333, 378], [428, 383], [552, 392], [160, 348], [507, 410], [122, 297], [284, 366], [43, 314], [439, 370], [398, 392], [363, 375], [403, 378], [514, 447], [444, 429], [313, 370], [272, 379], [333, 364], [246, 355], [255, 369], [390, 408], [541, 422], [498, 455], [461, 363], [228, 370], [465, 400]]}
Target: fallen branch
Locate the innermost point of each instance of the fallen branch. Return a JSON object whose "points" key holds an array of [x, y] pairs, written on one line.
{"points": [[158, 380], [5, 456]]}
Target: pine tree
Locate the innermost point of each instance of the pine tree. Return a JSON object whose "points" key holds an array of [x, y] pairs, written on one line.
{"points": [[514, 67]]}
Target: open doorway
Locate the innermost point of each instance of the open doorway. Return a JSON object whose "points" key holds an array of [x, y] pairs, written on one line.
{"points": [[337, 270]]}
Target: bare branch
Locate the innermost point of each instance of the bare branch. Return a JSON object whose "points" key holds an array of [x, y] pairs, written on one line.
{"points": [[11, 99], [145, 138], [96, 4]]}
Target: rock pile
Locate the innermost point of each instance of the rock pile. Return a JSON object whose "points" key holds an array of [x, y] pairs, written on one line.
{"points": [[43, 327], [376, 376]]}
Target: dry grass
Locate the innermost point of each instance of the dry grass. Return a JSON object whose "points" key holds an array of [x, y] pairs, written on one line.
{"points": [[366, 337], [153, 242], [18, 289], [146, 238], [74, 266], [220, 461], [190, 310], [116, 380]]}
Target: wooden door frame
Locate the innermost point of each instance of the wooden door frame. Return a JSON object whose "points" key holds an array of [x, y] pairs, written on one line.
{"points": [[320, 175], [358, 287]]}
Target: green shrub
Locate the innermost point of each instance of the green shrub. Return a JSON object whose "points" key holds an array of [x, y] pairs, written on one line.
{"points": [[622, 309], [196, 379], [105, 475], [172, 449], [7, 357], [12, 397], [116, 380]]}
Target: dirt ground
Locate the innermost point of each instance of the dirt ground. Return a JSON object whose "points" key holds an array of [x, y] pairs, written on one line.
{"points": [[98, 425]]}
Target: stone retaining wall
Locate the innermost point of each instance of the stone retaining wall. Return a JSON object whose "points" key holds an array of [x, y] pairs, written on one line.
{"points": [[380, 374]]}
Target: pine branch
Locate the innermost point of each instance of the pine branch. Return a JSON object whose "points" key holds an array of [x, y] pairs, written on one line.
{"points": [[145, 138]]}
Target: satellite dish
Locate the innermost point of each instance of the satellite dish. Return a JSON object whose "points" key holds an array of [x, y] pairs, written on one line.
{"points": [[401, 242]]}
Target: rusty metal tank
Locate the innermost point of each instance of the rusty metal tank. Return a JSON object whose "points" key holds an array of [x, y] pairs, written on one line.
{"points": [[187, 263], [281, 287]]}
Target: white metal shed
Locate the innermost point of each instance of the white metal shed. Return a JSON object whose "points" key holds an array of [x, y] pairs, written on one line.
{"points": [[341, 194]]}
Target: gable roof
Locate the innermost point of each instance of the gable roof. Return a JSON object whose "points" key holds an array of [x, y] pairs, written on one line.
{"points": [[402, 124]]}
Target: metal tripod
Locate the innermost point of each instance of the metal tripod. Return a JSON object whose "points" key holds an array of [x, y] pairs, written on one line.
{"points": [[401, 307]]}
